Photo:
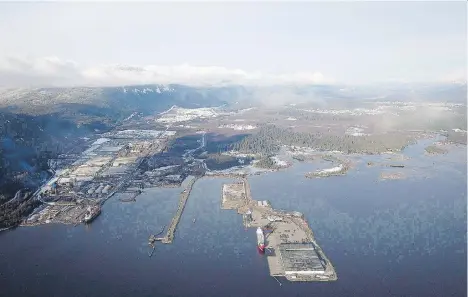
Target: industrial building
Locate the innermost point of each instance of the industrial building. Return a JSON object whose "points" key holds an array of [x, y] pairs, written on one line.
{"points": [[300, 259], [263, 203]]}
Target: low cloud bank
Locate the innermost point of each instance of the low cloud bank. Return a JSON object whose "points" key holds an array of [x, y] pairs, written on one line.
{"points": [[53, 71]]}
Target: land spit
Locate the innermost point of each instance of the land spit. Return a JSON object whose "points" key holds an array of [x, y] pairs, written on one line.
{"points": [[291, 247]]}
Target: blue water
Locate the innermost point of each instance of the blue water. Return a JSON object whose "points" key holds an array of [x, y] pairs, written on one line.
{"points": [[385, 238]]}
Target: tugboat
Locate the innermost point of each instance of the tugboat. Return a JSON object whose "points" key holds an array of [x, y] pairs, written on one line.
{"points": [[91, 213]]}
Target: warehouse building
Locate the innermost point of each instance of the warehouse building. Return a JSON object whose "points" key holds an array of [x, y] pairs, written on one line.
{"points": [[300, 259]]}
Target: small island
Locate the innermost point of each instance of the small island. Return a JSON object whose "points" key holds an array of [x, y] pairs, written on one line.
{"points": [[335, 171], [341, 169], [435, 150]]}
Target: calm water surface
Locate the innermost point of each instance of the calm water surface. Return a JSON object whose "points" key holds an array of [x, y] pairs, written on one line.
{"points": [[385, 238]]}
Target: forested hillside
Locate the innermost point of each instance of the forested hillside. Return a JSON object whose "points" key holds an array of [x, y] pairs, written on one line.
{"points": [[270, 138], [27, 142]]}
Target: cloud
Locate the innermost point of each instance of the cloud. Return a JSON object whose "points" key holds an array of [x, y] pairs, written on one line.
{"points": [[46, 66], [53, 71], [46, 71], [459, 76], [192, 75]]}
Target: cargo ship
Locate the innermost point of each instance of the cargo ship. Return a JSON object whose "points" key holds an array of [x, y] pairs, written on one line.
{"points": [[91, 213], [260, 240]]}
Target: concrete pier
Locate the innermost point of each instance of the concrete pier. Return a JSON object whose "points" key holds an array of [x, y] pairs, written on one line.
{"points": [[180, 209], [305, 261]]}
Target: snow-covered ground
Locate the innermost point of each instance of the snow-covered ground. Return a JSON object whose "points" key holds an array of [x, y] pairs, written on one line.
{"points": [[279, 162], [166, 111], [100, 141], [109, 148], [338, 170], [299, 150], [237, 154], [291, 119], [138, 133], [91, 149], [131, 116], [177, 114], [238, 127], [246, 110], [166, 168], [331, 170], [387, 107], [355, 131], [159, 89], [239, 170], [354, 112], [186, 126], [420, 104], [168, 133]]}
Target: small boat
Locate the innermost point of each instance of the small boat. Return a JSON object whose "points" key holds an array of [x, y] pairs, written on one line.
{"points": [[194, 220]]}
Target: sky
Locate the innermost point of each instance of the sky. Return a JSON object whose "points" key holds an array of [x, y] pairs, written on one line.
{"points": [[235, 42]]}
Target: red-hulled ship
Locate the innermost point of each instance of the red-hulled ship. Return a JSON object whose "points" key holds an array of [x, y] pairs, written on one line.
{"points": [[260, 240]]}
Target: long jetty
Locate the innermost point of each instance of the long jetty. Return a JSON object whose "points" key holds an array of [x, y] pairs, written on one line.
{"points": [[180, 209]]}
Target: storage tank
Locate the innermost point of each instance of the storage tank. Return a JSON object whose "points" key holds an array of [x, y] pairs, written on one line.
{"points": [[106, 189], [98, 191], [91, 190]]}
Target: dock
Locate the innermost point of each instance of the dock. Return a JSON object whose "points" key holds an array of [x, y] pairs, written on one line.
{"points": [[150, 254], [131, 199], [184, 195], [292, 251]]}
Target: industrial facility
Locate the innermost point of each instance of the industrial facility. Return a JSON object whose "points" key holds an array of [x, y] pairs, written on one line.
{"points": [[284, 237], [110, 164], [300, 259]]}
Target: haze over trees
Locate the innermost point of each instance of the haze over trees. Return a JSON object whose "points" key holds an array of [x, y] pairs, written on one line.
{"points": [[269, 140]]}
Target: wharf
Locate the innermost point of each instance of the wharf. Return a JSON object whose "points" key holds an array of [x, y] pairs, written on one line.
{"points": [[184, 195], [282, 229]]}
